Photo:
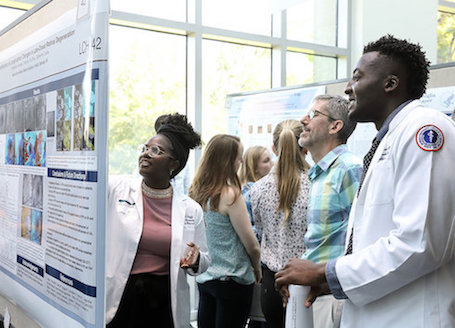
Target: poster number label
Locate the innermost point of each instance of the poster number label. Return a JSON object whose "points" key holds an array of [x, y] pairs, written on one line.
{"points": [[96, 44]]}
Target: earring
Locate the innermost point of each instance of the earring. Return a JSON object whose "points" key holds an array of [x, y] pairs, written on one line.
{"points": [[170, 172]]}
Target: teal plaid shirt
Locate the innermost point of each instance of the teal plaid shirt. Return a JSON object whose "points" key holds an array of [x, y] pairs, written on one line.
{"points": [[334, 182]]}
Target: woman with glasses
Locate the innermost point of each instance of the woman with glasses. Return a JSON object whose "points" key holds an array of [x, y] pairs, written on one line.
{"points": [[154, 237], [226, 288], [279, 203]]}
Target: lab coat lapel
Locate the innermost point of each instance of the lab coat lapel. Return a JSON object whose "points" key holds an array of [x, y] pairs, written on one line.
{"points": [[178, 218], [136, 194], [377, 155]]}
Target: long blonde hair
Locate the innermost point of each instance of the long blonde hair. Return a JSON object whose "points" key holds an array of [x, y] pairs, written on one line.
{"points": [[249, 164], [216, 170], [291, 160]]}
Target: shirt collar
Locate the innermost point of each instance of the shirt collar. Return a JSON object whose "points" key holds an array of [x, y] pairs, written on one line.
{"points": [[385, 126], [325, 163]]}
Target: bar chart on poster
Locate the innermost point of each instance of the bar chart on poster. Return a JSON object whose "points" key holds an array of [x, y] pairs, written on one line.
{"points": [[53, 150]]}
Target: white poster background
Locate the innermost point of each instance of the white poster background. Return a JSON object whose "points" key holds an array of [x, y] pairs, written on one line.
{"points": [[55, 273], [442, 99]]}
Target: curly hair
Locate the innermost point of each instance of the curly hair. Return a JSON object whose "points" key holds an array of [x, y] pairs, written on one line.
{"points": [[410, 56], [182, 137]]}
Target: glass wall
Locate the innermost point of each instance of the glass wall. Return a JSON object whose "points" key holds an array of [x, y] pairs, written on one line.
{"points": [[313, 21], [186, 55], [229, 68], [146, 81], [305, 68]]}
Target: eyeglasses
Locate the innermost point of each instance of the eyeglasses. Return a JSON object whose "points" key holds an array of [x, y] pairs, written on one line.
{"points": [[312, 113], [152, 151]]}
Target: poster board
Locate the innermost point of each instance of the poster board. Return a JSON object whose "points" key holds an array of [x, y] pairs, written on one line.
{"points": [[53, 162], [252, 117]]}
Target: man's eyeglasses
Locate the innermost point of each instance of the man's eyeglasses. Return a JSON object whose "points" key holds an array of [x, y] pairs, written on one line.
{"points": [[152, 151], [312, 113]]}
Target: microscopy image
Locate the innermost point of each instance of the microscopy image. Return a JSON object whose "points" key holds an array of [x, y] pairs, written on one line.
{"points": [[40, 112], [10, 149], [60, 119], [89, 122], [29, 119], [37, 194], [78, 123], [27, 190], [19, 115], [50, 127], [29, 148], [37, 226], [10, 127], [40, 148], [3, 119], [19, 148], [26, 223]]}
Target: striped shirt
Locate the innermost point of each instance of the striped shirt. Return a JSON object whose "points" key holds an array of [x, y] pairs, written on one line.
{"points": [[334, 182]]}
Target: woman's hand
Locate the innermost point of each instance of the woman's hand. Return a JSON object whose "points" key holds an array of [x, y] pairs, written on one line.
{"points": [[190, 258]]}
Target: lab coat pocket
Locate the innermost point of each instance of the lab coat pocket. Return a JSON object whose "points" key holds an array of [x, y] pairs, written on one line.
{"points": [[124, 206], [380, 185], [189, 222]]}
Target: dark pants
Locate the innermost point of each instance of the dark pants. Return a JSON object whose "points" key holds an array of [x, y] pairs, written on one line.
{"points": [[224, 304], [271, 302], [145, 302]]}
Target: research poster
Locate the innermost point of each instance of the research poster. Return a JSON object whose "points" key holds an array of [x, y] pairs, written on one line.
{"points": [[253, 117], [442, 99], [53, 162]]}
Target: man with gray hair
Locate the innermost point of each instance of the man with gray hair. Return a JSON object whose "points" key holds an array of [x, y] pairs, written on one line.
{"points": [[334, 180]]}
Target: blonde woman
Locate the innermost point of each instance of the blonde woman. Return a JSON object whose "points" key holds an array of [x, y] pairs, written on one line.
{"points": [[279, 203], [257, 163], [226, 288]]}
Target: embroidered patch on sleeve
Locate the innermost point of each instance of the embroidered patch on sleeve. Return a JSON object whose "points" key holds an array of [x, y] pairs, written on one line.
{"points": [[430, 138]]}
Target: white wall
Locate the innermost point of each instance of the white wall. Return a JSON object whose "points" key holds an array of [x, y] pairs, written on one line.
{"points": [[414, 20]]}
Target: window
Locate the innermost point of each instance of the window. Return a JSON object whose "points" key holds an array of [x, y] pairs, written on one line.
{"points": [[304, 68], [313, 21], [446, 37], [229, 68], [169, 9], [147, 79], [251, 16]]}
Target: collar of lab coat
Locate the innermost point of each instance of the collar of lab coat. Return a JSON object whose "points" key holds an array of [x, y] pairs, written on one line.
{"points": [[393, 124]]}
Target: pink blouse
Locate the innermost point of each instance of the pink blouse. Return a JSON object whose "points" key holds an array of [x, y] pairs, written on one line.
{"points": [[154, 248]]}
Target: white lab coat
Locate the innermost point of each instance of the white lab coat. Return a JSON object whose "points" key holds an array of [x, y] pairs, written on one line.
{"points": [[402, 271], [124, 229]]}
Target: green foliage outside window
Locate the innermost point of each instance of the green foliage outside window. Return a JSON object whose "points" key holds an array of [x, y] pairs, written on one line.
{"points": [[446, 37]]}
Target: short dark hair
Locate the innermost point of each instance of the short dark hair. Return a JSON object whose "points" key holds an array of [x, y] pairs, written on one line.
{"points": [[410, 56]]}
